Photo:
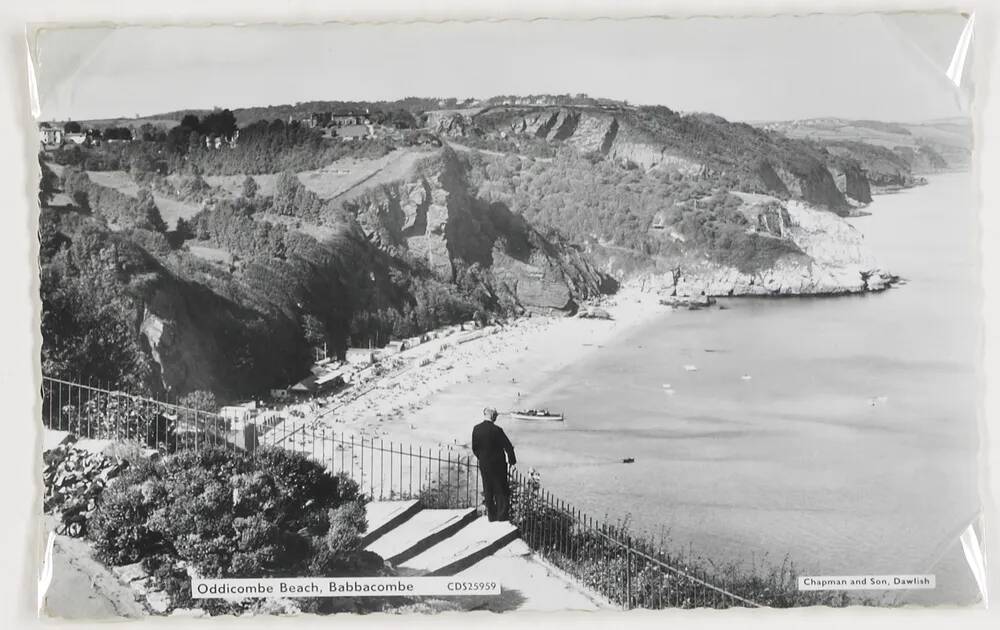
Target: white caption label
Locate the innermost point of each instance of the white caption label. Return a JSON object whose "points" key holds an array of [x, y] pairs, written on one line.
{"points": [[240, 588], [864, 582]]}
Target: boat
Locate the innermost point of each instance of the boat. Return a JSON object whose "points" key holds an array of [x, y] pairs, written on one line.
{"points": [[537, 414]]}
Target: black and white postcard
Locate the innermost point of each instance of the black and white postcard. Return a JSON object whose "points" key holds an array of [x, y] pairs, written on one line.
{"points": [[508, 315]]}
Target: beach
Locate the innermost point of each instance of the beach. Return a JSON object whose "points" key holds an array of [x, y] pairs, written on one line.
{"points": [[406, 404]]}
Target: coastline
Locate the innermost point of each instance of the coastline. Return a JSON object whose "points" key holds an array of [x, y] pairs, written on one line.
{"points": [[412, 405]]}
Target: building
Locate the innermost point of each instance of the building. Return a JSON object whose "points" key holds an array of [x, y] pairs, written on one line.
{"points": [[396, 346], [329, 382], [76, 138], [346, 117], [304, 388], [51, 136], [320, 119], [359, 356], [239, 412], [355, 132], [317, 385]]}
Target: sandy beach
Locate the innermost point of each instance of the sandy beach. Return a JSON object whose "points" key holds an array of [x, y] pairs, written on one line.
{"points": [[406, 405]]}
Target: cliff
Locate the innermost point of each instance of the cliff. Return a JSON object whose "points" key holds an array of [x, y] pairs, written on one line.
{"points": [[658, 138], [831, 258], [435, 216]]}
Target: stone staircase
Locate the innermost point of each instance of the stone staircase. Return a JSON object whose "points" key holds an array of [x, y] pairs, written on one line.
{"points": [[443, 542], [421, 541]]}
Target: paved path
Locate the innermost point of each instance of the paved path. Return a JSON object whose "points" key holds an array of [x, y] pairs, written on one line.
{"points": [[82, 588]]}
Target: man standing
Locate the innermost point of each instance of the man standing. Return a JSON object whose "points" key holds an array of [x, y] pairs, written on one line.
{"points": [[490, 445]]}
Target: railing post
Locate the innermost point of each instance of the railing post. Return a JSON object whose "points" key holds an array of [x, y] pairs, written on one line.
{"points": [[628, 572]]}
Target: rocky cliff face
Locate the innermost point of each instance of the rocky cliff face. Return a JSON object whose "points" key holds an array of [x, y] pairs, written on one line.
{"points": [[201, 340], [834, 259], [660, 139], [435, 217], [851, 181]]}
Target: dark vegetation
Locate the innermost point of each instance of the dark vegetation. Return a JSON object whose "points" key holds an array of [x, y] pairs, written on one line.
{"points": [[108, 263], [261, 147], [302, 272], [114, 206], [583, 196], [882, 166], [221, 513]]}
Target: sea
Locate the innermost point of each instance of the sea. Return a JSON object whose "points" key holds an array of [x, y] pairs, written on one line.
{"points": [[838, 435]]}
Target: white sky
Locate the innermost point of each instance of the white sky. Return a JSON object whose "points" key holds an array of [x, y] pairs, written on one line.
{"points": [[867, 66]]}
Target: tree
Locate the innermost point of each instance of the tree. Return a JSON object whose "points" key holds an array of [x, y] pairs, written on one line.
{"points": [[47, 184], [148, 215], [250, 187], [72, 127], [183, 229], [118, 133], [219, 123], [191, 122], [81, 199], [88, 316], [313, 330], [201, 400]]}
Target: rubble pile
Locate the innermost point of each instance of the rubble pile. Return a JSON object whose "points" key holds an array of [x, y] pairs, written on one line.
{"points": [[73, 475]]}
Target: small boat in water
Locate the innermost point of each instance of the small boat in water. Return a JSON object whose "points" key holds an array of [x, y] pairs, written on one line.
{"points": [[537, 414]]}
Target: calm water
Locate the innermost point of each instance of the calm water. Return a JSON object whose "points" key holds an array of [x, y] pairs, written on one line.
{"points": [[796, 461]]}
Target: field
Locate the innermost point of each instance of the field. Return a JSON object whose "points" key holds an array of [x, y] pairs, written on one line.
{"points": [[170, 209], [339, 180], [211, 254], [233, 184]]}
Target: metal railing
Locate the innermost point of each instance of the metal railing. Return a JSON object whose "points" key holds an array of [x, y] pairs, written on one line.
{"points": [[631, 571], [440, 477]]}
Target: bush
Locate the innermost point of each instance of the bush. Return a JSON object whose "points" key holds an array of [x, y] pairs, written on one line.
{"points": [[118, 526], [219, 513]]}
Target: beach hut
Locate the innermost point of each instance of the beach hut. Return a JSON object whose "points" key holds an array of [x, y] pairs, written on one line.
{"points": [[396, 346], [359, 356], [329, 381], [305, 387]]}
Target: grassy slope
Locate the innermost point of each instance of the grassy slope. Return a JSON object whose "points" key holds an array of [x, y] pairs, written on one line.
{"points": [[170, 209]]}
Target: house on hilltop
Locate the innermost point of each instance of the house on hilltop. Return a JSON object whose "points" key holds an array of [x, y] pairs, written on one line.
{"points": [[50, 136], [345, 117], [355, 132], [76, 138], [320, 119]]}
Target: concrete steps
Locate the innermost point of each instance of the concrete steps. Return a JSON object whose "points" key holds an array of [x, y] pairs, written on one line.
{"points": [[384, 516], [474, 542], [420, 532], [421, 541]]}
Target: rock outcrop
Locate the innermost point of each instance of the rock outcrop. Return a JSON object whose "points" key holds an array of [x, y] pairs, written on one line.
{"points": [[851, 181], [834, 260], [435, 217]]}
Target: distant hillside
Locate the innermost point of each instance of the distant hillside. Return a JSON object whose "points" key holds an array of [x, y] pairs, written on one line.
{"points": [[220, 252], [927, 147], [743, 156], [234, 298]]}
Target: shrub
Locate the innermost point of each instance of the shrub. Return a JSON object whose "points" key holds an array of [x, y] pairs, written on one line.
{"points": [[118, 526], [219, 513]]}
